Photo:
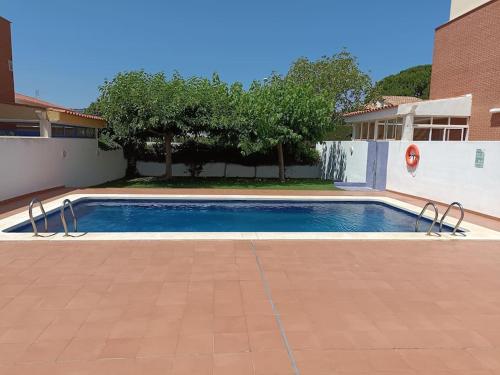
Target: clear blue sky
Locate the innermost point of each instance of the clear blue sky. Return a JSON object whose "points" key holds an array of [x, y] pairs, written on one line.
{"points": [[65, 49]]}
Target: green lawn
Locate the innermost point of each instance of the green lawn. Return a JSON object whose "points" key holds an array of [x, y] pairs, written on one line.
{"points": [[222, 183]]}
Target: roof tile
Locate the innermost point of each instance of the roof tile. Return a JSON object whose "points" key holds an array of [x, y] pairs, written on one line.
{"points": [[29, 100], [387, 101]]}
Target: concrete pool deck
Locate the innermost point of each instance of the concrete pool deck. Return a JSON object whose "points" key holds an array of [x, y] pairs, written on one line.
{"points": [[471, 230], [20, 204], [249, 307]]}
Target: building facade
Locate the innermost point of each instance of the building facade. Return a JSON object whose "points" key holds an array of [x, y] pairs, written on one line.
{"points": [[467, 61], [6, 66], [25, 116], [465, 85]]}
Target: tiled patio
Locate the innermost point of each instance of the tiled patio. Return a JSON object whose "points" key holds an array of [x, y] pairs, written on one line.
{"points": [[345, 307]]}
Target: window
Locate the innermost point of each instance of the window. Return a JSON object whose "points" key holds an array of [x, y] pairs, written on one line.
{"points": [[437, 134], [357, 131], [19, 129], [57, 131], [399, 132], [364, 130], [380, 131], [390, 129], [440, 121], [390, 133], [422, 120], [455, 135], [440, 128], [65, 131], [458, 121], [371, 130], [69, 132], [421, 134]]}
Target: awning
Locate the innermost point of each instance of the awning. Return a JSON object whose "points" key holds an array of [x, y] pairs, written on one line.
{"points": [[13, 112], [451, 107], [66, 117]]}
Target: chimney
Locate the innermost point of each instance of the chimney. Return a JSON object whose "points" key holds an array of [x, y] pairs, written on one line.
{"points": [[7, 94]]}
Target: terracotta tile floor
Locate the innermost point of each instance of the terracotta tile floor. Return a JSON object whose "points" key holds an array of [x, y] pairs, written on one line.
{"points": [[345, 307]]}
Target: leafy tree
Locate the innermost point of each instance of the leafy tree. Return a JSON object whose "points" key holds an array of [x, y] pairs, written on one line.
{"points": [[281, 112], [410, 82], [124, 103], [187, 109], [226, 126], [211, 106], [140, 106], [93, 109], [292, 111], [338, 78], [170, 102]]}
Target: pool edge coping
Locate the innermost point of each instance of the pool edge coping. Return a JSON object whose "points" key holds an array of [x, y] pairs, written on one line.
{"points": [[473, 231]]}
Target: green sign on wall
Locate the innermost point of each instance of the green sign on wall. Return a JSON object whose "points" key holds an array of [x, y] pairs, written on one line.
{"points": [[479, 163]]}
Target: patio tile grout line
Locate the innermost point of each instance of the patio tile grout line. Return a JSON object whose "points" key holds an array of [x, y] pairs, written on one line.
{"points": [[276, 313]]}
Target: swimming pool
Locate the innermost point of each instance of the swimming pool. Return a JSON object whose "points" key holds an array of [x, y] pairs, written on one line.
{"points": [[112, 215]]}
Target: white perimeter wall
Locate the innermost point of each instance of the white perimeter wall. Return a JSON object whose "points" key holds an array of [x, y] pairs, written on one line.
{"points": [[231, 170], [343, 160], [446, 173], [33, 164]]}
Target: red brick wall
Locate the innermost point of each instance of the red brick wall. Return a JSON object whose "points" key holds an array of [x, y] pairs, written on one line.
{"points": [[467, 61], [6, 75]]}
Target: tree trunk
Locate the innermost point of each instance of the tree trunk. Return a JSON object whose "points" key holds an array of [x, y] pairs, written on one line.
{"points": [[281, 162], [168, 156], [131, 171], [130, 154]]}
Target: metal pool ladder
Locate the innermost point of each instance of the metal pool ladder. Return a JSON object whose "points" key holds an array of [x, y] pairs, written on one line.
{"points": [[68, 203], [30, 210], [436, 214], [462, 214]]}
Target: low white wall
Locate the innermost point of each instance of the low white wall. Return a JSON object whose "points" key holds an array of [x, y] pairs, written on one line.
{"points": [[33, 164], [303, 171], [212, 170], [446, 173], [267, 171], [230, 170], [343, 160], [236, 170]]}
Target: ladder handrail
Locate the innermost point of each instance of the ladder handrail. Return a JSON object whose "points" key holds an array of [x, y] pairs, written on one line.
{"points": [[462, 214], [30, 211], [68, 203], [436, 214]]}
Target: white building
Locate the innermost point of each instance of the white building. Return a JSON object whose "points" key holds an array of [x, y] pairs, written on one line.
{"points": [[411, 119]]}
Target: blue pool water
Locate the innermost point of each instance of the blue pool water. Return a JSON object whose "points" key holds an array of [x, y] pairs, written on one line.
{"points": [[163, 215]]}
